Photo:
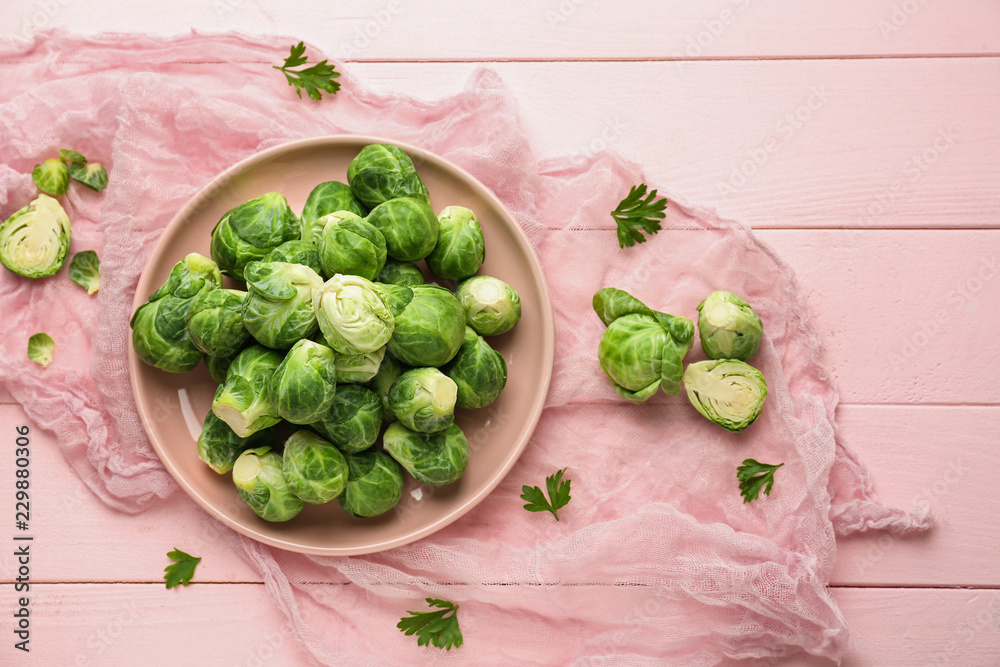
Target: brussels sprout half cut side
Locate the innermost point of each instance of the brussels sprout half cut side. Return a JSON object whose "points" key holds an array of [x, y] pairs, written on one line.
{"points": [[728, 392], [34, 241]]}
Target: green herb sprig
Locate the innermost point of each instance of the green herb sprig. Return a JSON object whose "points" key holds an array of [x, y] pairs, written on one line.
{"points": [[558, 493], [439, 628], [180, 573], [754, 476], [638, 213], [313, 79]]}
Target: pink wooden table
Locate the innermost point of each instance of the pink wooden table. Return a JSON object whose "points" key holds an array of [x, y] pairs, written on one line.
{"points": [[859, 138]]}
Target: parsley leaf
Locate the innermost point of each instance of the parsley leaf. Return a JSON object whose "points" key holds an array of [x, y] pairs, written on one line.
{"points": [[180, 572], [558, 492], [754, 476], [636, 214], [434, 627], [313, 79]]}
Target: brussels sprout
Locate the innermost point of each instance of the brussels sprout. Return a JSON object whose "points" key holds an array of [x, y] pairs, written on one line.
{"points": [[388, 371], [479, 372], [400, 273], [460, 248], [374, 484], [250, 231], [85, 270], [159, 326], [296, 252], [409, 226], [432, 458], [218, 367], [260, 481], [358, 367], [641, 350], [51, 176], [34, 241], [316, 471], [354, 420], [430, 329], [352, 314], [728, 327], [91, 174], [278, 310], [728, 392], [395, 297], [324, 199], [241, 401], [423, 399], [381, 172], [215, 322], [492, 307], [304, 385], [219, 447], [350, 245], [41, 348]]}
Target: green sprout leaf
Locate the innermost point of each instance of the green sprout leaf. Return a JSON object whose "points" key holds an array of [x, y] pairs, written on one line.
{"points": [[41, 347], [68, 155], [313, 79], [91, 174], [84, 270], [439, 628], [180, 573], [638, 213], [51, 176], [754, 476], [558, 493]]}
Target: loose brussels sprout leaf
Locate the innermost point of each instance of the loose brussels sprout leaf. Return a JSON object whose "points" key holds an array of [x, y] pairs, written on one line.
{"points": [[51, 176], [460, 248], [432, 458], [215, 322], [251, 230], [381, 172], [159, 327], [296, 252], [400, 273], [728, 392], [640, 356], [423, 399], [354, 420], [278, 310], [611, 303], [242, 401], [217, 367], [324, 199], [728, 327], [491, 306], [374, 484], [261, 482], [352, 314], [219, 447], [479, 372], [69, 155], [34, 241], [388, 371], [304, 385], [358, 367], [41, 348], [430, 329], [91, 174], [316, 471], [409, 226], [85, 270], [350, 245]]}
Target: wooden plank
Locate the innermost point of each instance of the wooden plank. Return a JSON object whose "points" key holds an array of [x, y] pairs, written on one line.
{"points": [[398, 29]]}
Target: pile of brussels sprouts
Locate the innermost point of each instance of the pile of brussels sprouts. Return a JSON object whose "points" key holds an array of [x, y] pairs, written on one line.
{"points": [[336, 334], [643, 350]]}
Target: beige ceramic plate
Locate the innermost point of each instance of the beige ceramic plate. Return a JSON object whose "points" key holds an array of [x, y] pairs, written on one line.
{"points": [[173, 405]]}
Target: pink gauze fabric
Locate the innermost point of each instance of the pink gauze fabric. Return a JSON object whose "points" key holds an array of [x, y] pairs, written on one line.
{"points": [[655, 561]]}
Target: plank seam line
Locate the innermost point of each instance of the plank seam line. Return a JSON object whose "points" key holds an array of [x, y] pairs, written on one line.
{"points": [[953, 587]]}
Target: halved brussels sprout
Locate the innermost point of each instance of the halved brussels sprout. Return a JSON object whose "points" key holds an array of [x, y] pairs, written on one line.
{"points": [[348, 244], [159, 326], [423, 399], [381, 172], [215, 322], [396, 272], [479, 372], [41, 348], [91, 174], [491, 306], [296, 252], [358, 368], [324, 199], [219, 447], [728, 327], [242, 401], [34, 241], [315, 470], [409, 226], [85, 270], [430, 329], [374, 484], [352, 314], [304, 386], [432, 458], [250, 231], [460, 248], [260, 481], [51, 176], [354, 420], [728, 392], [388, 371], [278, 310]]}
